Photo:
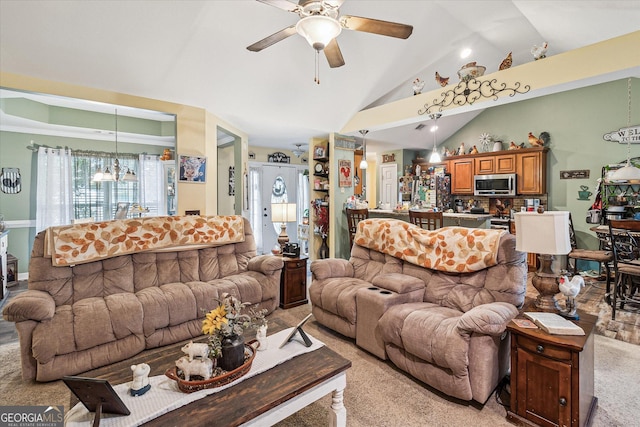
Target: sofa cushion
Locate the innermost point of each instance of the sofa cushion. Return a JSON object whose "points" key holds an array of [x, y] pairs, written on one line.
{"points": [[368, 263], [337, 296], [111, 318], [429, 332]]}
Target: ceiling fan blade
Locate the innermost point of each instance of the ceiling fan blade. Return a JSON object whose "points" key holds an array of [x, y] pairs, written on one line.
{"points": [[376, 26], [281, 4], [333, 54], [272, 39]]}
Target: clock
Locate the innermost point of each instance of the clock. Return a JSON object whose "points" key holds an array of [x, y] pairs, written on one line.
{"points": [[319, 168]]}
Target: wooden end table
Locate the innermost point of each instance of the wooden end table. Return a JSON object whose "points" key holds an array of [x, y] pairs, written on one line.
{"points": [[293, 282], [552, 376]]}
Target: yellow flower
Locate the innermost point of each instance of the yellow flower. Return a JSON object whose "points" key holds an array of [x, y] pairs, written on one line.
{"points": [[214, 320]]}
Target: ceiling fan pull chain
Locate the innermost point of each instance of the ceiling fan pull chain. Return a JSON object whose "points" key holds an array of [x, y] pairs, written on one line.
{"points": [[317, 76]]}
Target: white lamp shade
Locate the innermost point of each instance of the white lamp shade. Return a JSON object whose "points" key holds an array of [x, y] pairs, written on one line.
{"points": [[318, 30], [626, 173], [363, 164], [283, 212], [435, 157], [546, 233]]}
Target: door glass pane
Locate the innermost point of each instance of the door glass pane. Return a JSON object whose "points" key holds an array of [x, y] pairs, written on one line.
{"points": [[279, 195]]}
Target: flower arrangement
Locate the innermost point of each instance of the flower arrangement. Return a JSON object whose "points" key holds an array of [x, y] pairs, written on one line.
{"points": [[227, 320], [322, 218]]}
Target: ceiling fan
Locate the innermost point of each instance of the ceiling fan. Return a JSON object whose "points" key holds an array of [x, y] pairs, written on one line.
{"points": [[320, 24]]}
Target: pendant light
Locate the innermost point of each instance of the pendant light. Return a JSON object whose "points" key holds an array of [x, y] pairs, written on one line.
{"points": [[129, 175], [363, 162], [435, 156], [627, 172]]}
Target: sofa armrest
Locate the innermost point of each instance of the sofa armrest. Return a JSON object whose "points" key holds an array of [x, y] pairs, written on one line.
{"points": [[266, 264], [489, 319], [30, 305], [331, 267], [398, 282]]}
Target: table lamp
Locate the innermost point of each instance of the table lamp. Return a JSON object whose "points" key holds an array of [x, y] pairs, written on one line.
{"points": [[545, 234], [283, 213]]}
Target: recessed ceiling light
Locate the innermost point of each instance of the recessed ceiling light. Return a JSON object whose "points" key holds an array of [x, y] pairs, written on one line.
{"points": [[465, 53]]}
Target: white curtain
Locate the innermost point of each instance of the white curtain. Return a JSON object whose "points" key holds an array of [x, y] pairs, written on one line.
{"points": [[151, 185], [54, 189]]}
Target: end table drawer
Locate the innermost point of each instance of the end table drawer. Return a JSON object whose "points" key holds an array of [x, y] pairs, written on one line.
{"points": [[544, 349], [297, 264]]}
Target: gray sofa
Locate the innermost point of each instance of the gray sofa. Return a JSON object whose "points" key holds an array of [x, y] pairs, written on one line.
{"points": [[445, 328], [76, 318]]}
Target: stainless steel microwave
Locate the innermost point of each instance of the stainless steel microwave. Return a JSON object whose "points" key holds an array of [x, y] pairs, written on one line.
{"points": [[495, 185]]}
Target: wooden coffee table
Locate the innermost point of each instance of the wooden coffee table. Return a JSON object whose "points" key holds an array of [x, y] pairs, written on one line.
{"points": [[263, 399]]}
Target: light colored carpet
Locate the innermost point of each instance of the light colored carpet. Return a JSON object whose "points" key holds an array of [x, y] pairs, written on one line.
{"points": [[377, 394]]}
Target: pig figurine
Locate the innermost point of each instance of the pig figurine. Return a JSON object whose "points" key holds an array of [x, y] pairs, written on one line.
{"points": [[202, 367], [140, 384], [194, 350]]}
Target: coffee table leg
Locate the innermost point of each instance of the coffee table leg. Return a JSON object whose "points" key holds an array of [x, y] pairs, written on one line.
{"points": [[338, 418]]}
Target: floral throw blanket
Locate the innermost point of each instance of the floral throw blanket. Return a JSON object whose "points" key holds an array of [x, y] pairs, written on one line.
{"points": [[82, 243], [450, 249]]}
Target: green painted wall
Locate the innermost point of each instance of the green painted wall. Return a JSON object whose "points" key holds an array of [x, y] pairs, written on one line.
{"points": [[576, 121], [21, 206]]}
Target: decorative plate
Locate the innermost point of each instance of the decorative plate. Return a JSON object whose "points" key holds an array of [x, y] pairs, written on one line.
{"points": [[319, 168]]}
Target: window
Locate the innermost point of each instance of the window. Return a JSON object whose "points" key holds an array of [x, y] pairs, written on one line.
{"points": [[98, 200]]}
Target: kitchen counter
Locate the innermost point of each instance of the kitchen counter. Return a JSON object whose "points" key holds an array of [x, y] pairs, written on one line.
{"points": [[449, 218]]}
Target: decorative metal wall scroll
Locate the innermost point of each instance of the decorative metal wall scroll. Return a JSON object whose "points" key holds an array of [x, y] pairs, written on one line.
{"points": [[278, 157], [468, 92], [10, 180]]}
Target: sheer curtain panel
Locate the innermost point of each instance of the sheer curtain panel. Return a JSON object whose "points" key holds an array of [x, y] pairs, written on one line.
{"points": [[54, 189], [151, 189]]}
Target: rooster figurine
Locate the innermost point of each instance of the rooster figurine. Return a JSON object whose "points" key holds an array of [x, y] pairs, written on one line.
{"points": [[506, 62], [442, 81], [474, 150], [418, 85], [535, 142], [570, 289], [514, 146]]}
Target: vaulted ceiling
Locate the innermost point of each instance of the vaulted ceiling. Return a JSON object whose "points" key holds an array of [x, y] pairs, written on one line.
{"points": [[194, 53]]}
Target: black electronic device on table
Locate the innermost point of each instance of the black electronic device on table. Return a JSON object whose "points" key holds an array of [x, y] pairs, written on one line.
{"points": [[298, 328], [97, 396], [291, 250]]}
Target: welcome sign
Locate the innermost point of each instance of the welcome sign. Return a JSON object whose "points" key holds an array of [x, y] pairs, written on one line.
{"points": [[624, 135]]}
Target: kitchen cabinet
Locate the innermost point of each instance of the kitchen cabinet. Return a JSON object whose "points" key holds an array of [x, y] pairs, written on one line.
{"points": [[552, 376], [488, 165], [462, 176], [531, 171]]}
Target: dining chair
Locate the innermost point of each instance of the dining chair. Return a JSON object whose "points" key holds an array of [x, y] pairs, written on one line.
{"points": [[603, 256], [426, 220], [625, 242], [354, 216]]}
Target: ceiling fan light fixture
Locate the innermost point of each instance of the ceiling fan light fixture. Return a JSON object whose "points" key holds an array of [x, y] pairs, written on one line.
{"points": [[318, 30]]}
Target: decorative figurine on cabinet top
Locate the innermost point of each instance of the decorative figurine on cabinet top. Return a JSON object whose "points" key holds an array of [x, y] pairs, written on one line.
{"points": [[539, 52], [442, 81], [418, 85]]}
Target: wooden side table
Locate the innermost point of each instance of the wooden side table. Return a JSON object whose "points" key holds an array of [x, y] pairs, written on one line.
{"points": [[293, 282], [552, 376]]}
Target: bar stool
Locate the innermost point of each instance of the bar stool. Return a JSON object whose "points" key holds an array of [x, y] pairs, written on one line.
{"points": [[426, 220], [354, 216]]}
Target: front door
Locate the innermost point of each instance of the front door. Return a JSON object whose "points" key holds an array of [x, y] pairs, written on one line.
{"points": [[278, 186], [389, 184]]}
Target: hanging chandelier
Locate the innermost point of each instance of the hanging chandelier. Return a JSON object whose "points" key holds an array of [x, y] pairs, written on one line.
{"points": [[107, 175]]}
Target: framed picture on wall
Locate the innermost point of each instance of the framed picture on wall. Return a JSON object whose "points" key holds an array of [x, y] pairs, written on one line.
{"points": [[344, 173], [192, 168]]}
